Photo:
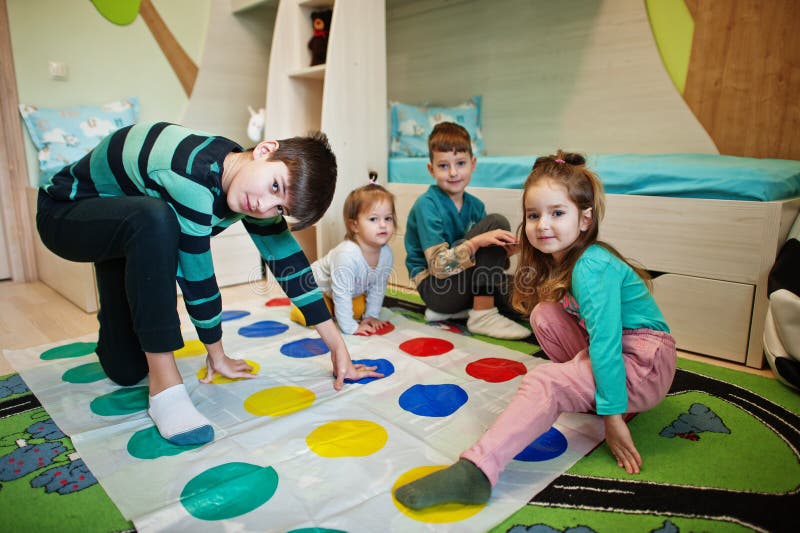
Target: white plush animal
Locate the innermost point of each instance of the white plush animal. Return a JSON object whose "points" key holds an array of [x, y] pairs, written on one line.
{"points": [[255, 127]]}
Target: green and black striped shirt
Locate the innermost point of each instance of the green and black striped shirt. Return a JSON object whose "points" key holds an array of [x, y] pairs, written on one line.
{"points": [[184, 168]]}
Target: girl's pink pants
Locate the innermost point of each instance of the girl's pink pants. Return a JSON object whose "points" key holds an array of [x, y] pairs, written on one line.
{"points": [[566, 384]]}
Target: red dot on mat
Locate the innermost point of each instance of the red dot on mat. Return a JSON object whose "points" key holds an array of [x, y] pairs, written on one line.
{"points": [[64, 481], [426, 346], [278, 302], [495, 369], [81, 477], [36, 450], [58, 473], [17, 470], [75, 486]]}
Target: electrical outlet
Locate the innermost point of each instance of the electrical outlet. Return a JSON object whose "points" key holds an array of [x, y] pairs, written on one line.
{"points": [[58, 70]]}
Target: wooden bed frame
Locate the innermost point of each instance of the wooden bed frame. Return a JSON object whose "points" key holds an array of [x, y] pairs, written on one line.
{"points": [[710, 259]]}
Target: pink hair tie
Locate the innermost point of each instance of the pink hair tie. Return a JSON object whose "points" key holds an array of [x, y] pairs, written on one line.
{"points": [[560, 161]]}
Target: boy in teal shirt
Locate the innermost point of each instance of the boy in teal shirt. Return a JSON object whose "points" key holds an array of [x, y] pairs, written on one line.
{"points": [[456, 253], [143, 206]]}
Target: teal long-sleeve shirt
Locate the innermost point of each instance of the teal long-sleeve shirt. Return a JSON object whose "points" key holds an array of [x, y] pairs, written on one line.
{"points": [[608, 296], [184, 168], [435, 224]]}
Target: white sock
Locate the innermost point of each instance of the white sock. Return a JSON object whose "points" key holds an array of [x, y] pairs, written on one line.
{"points": [[491, 323], [177, 419], [434, 316]]}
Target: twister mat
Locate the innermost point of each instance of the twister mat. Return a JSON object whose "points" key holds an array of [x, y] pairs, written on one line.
{"points": [[292, 454]]}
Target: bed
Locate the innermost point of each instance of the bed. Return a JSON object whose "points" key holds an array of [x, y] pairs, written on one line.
{"points": [[707, 227]]}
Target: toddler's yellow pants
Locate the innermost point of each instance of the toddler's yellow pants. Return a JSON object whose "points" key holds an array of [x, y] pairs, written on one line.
{"points": [[359, 308]]}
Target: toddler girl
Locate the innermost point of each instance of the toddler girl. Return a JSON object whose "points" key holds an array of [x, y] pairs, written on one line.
{"points": [[594, 317], [353, 275]]}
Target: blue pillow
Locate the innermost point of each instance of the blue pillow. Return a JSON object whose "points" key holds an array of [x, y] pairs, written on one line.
{"points": [[412, 124], [63, 136]]}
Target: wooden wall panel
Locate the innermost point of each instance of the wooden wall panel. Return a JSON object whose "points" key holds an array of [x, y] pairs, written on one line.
{"points": [[744, 75], [17, 222]]}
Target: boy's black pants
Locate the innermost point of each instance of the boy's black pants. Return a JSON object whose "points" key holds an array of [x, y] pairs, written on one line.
{"points": [[486, 278], [133, 243]]}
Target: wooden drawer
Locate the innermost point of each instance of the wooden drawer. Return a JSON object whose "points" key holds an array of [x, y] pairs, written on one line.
{"points": [[706, 316]]}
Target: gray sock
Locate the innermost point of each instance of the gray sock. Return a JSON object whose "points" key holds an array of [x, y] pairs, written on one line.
{"points": [[462, 482]]}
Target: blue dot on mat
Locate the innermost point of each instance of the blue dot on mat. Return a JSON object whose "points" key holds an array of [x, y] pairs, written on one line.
{"points": [[433, 400], [263, 328], [304, 348], [233, 315], [548, 446], [384, 367]]}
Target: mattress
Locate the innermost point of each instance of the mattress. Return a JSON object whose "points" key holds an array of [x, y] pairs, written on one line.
{"points": [[679, 175]]}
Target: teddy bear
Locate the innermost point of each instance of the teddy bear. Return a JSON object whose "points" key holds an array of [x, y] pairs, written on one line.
{"points": [[321, 22]]}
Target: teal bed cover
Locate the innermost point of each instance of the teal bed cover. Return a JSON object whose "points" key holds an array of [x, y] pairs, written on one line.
{"points": [[679, 175]]}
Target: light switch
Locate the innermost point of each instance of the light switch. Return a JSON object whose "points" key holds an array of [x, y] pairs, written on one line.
{"points": [[58, 70]]}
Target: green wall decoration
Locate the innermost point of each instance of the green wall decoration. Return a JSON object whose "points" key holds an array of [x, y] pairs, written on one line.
{"points": [[121, 12], [673, 30]]}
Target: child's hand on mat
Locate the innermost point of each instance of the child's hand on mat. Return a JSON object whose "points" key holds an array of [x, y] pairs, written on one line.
{"points": [[620, 442], [343, 369], [343, 366], [499, 237], [369, 325], [230, 368]]}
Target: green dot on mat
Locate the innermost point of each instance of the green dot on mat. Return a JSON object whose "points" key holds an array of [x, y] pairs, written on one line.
{"points": [[121, 402], [75, 349], [149, 444], [229, 490], [88, 373]]}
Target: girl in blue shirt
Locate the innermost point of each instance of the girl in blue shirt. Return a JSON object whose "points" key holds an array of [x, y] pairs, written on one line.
{"points": [[594, 317]]}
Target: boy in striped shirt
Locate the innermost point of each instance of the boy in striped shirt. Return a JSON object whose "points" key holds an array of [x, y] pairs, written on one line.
{"points": [[143, 206]]}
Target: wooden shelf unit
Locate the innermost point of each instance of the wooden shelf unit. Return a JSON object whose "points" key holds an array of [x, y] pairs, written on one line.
{"points": [[345, 98]]}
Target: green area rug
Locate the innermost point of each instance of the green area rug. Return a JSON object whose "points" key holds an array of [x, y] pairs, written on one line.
{"points": [[44, 485]]}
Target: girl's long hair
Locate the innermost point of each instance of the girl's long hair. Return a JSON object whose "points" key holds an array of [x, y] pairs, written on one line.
{"points": [[539, 278]]}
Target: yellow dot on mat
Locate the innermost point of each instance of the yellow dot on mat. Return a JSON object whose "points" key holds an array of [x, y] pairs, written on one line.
{"points": [[219, 379], [347, 438], [438, 514], [191, 349], [279, 401]]}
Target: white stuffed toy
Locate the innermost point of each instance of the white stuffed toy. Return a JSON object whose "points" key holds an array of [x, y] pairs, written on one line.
{"points": [[255, 127]]}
